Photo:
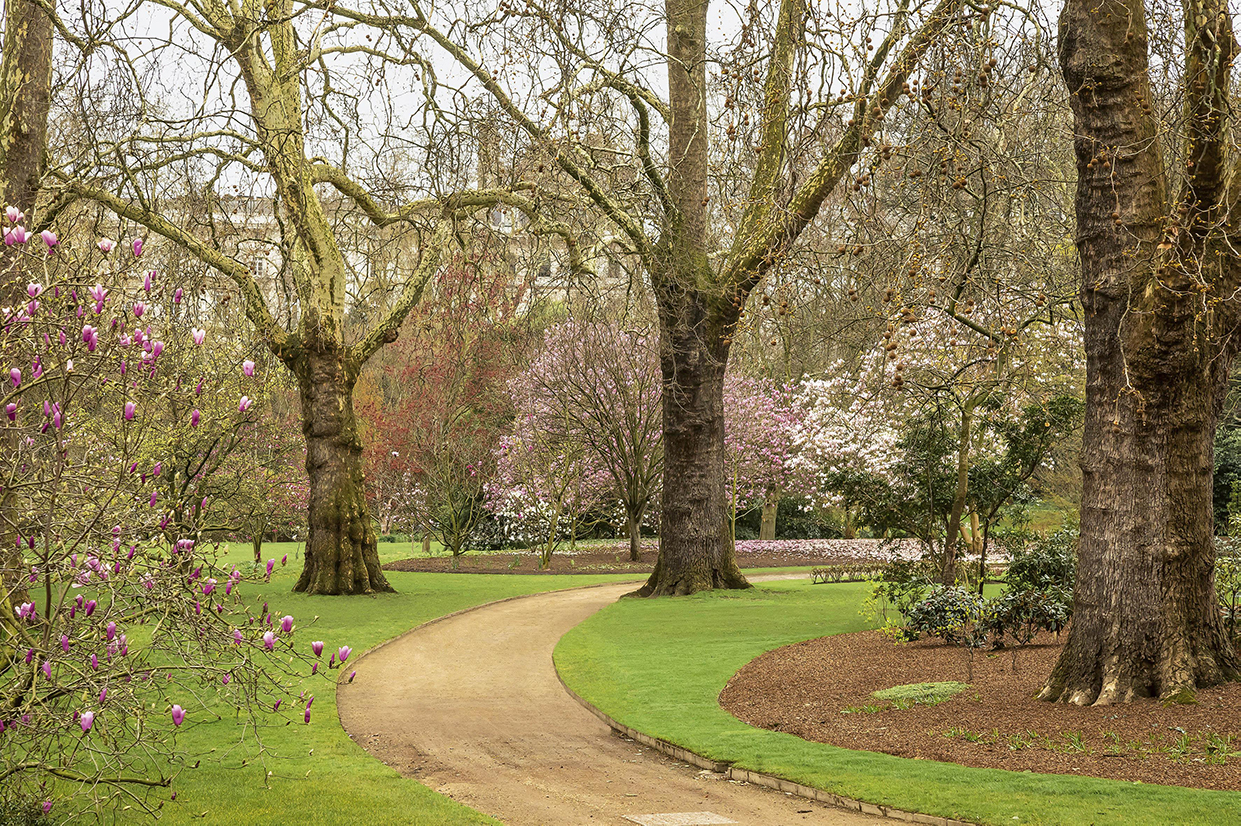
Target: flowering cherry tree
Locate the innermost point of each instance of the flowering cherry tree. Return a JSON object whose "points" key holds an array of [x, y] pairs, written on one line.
{"points": [[760, 448], [546, 484], [596, 385], [118, 624]]}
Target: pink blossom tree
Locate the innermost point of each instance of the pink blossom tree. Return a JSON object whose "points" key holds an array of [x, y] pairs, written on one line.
{"points": [[547, 482], [596, 384], [760, 447], [118, 625]]}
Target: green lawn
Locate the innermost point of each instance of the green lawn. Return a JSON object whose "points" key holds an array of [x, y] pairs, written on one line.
{"points": [[319, 776], [659, 665]]}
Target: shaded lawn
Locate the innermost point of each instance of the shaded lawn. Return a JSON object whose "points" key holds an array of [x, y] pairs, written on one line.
{"points": [[659, 665]]}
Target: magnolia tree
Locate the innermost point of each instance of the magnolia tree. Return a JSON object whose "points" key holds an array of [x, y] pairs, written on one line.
{"points": [[118, 627], [596, 385], [898, 439], [848, 435], [760, 449]]}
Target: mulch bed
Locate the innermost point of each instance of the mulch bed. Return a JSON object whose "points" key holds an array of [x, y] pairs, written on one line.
{"points": [[605, 559], [821, 690]]}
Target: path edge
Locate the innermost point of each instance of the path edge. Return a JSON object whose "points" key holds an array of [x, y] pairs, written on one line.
{"points": [[341, 680], [770, 781]]}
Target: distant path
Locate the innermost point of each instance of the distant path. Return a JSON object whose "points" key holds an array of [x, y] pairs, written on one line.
{"points": [[471, 706]]}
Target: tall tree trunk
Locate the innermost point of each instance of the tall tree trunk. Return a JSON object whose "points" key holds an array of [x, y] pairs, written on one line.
{"points": [[948, 564], [1145, 619], [695, 540], [341, 552], [771, 507], [25, 98], [696, 551]]}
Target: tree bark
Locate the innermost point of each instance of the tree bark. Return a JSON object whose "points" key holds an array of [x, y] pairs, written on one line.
{"points": [[1145, 620], [948, 565], [633, 527], [696, 551], [342, 556], [771, 507], [25, 98]]}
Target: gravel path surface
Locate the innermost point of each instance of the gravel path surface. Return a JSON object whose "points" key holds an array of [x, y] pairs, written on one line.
{"points": [[471, 707]]}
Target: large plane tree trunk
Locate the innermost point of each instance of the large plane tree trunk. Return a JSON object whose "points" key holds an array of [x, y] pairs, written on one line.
{"points": [[1145, 619], [695, 543], [696, 551], [342, 556]]}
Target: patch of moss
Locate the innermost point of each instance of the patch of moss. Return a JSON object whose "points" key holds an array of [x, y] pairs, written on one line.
{"points": [[923, 693], [1184, 697]]}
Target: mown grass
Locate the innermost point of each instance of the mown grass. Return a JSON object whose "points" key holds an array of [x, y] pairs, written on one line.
{"points": [[318, 775], [659, 665]]}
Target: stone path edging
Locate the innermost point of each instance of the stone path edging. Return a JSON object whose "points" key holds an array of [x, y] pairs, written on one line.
{"points": [[757, 778]]}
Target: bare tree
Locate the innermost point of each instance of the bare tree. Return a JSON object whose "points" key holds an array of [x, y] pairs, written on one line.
{"points": [[574, 82], [298, 117], [598, 384]]}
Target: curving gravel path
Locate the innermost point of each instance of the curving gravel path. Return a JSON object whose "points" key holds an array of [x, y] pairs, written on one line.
{"points": [[471, 707]]}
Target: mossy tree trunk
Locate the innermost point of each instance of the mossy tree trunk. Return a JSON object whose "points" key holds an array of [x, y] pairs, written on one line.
{"points": [[25, 98], [1159, 348], [342, 555], [771, 509]]}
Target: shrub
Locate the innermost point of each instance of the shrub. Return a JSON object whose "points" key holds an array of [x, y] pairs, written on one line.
{"points": [[951, 613], [1228, 587], [1045, 563], [1021, 614], [902, 585]]}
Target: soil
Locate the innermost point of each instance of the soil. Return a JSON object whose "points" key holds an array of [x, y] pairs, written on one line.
{"points": [[600, 559], [821, 690], [472, 707]]}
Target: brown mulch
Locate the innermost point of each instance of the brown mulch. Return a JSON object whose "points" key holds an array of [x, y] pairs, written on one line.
{"points": [[821, 690], [615, 558]]}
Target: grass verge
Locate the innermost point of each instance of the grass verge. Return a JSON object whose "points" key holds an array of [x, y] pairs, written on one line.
{"points": [[658, 666], [318, 775]]}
